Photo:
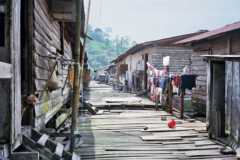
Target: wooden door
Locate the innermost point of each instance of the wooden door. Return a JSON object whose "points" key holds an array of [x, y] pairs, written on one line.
{"points": [[218, 100]]}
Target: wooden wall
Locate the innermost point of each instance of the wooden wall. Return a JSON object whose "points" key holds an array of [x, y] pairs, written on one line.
{"points": [[226, 44], [232, 100], [46, 48], [235, 43], [199, 93], [135, 63], [179, 57], [121, 77]]}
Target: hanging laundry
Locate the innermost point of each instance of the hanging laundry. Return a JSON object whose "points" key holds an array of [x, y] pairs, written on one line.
{"points": [[150, 66], [163, 82], [176, 80], [156, 81], [188, 82]]}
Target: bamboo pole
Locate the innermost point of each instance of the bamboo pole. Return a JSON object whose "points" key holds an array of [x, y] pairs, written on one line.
{"points": [[76, 84]]}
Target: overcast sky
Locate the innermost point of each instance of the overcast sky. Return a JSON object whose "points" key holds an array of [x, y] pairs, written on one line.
{"points": [[144, 20]]}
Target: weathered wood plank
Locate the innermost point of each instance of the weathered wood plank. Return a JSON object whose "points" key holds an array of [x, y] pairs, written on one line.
{"points": [[59, 149], [25, 156], [5, 70], [15, 51]]}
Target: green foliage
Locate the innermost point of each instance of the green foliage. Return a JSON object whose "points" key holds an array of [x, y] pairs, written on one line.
{"points": [[104, 48]]}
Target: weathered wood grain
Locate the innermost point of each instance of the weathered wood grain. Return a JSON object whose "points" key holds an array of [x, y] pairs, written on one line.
{"points": [[46, 52], [15, 52]]}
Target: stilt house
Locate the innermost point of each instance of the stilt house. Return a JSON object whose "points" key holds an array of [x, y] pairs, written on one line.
{"points": [[36, 57], [222, 49], [132, 65]]}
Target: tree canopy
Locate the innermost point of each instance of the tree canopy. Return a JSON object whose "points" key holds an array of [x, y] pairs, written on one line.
{"points": [[103, 47]]}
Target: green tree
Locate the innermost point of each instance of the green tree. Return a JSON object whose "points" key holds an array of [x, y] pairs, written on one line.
{"points": [[104, 48]]}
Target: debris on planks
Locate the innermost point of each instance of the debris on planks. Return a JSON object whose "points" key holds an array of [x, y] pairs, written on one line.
{"points": [[92, 110]]}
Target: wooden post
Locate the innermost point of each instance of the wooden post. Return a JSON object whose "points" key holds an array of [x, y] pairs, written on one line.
{"points": [[170, 95], [83, 49], [182, 104], [76, 83]]}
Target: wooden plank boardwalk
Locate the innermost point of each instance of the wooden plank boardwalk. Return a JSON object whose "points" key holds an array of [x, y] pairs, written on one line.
{"points": [[101, 95], [127, 134]]}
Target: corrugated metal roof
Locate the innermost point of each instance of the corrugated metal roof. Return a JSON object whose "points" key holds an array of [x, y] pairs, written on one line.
{"points": [[162, 42], [211, 34]]}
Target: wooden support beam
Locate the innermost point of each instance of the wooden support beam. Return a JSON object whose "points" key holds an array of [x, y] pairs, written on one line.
{"points": [[59, 149], [32, 146], [25, 156], [170, 97], [63, 135], [76, 86], [182, 104], [43, 139], [51, 145]]}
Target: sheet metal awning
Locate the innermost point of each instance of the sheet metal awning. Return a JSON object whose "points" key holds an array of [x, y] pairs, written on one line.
{"points": [[221, 57]]}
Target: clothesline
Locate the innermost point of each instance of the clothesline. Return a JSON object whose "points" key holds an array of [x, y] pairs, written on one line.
{"points": [[161, 83]]}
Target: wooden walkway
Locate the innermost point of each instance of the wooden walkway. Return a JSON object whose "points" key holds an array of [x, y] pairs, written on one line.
{"points": [[101, 95], [143, 134]]}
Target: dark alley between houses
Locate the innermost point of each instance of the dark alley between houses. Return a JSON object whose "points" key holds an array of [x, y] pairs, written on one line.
{"points": [[119, 80]]}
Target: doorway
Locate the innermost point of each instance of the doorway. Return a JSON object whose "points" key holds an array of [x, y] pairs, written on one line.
{"points": [[217, 109]]}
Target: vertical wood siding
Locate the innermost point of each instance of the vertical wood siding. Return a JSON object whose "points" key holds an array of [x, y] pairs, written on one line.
{"points": [[15, 42], [232, 99]]}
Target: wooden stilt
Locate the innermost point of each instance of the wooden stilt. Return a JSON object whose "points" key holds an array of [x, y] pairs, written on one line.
{"points": [[76, 84], [170, 97], [182, 104]]}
